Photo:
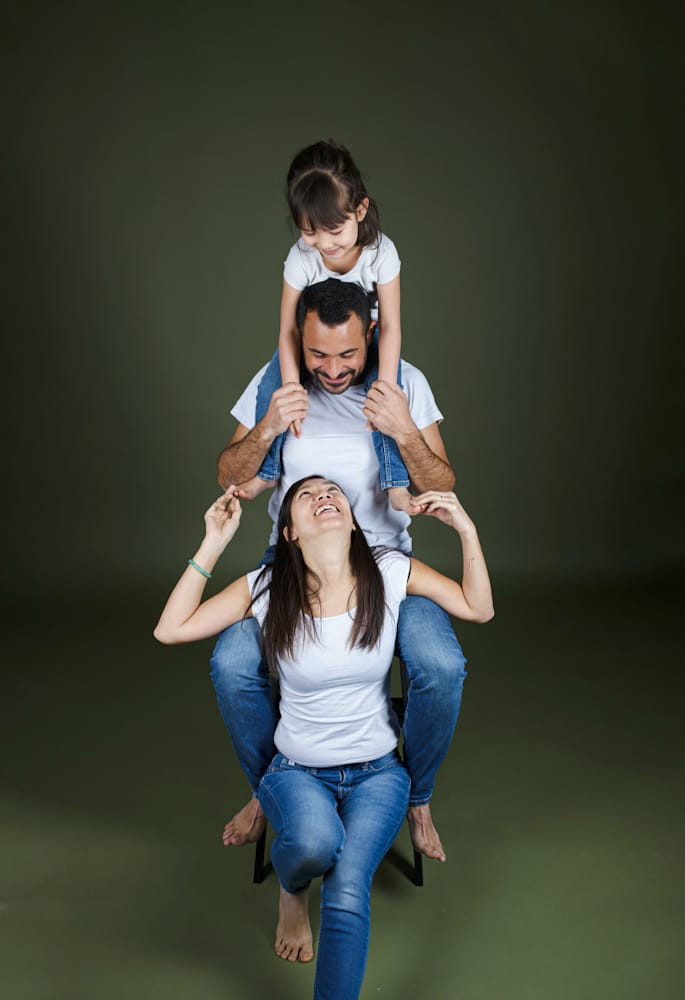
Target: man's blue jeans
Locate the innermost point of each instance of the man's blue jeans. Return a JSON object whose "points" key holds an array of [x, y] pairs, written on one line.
{"points": [[337, 822], [431, 658]]}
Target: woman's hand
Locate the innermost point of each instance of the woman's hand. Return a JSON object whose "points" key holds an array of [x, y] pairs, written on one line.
{"points": [[445, 506], [223, 517]]}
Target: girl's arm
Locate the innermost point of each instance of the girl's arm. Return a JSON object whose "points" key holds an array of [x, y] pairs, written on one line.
{"points": [[185, 618], [289, 346], [472, 599], [389, 330]]}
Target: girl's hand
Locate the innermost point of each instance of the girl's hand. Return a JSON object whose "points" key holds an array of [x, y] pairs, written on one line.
{"points": [[444, 506], [223, 517]]}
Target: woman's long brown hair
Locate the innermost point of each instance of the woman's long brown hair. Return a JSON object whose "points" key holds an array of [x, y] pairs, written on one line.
{"points": [[293, 587]]}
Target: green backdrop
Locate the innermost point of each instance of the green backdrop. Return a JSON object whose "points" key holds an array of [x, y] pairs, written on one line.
{"points": [[527, 163], [528, 160]]}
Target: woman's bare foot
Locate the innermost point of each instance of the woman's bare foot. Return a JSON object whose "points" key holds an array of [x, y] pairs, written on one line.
{"points": [[293, 932], [246, 827], [424, 836]]}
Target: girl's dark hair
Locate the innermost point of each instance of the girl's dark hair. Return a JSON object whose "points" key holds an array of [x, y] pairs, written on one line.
{"points": [[293, 587], [324, 186]]}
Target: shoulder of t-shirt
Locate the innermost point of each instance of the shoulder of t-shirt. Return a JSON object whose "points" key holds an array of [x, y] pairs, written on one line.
{"points": [[246, 404], [413, 378], [299, 267], [384, 258], [394, 567], [422, 404], [258, 581]]}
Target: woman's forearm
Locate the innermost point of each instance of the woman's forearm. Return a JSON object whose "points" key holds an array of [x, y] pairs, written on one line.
{"points": [[475, 582], [186, 596]]}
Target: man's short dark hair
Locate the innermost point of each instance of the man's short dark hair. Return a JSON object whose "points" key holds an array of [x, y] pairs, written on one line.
{"points": [[334, 301]]}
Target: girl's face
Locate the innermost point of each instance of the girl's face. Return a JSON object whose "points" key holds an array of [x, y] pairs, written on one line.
{"points": [[339, 242]]}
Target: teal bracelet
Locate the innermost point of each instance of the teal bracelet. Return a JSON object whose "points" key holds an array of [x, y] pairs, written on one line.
{"points": [[207, 576]]}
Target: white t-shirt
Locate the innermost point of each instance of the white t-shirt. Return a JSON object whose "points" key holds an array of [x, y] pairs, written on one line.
{"points": [[335, 701], [376, 266], [336, 444]]}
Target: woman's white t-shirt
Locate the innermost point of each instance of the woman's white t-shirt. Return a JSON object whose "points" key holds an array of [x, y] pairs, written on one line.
{"points": [[335, 701]]}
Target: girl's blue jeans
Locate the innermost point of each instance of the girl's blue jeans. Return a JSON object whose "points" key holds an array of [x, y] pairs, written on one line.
{"points": [[337, 822], [393, 471], [431, 659]]}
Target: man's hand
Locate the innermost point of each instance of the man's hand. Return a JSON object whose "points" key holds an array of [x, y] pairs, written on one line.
{"points": [[387, 409], [288, 404]]}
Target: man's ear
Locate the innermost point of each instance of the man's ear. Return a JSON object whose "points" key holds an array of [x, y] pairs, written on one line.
{"points": [[370, 332]]}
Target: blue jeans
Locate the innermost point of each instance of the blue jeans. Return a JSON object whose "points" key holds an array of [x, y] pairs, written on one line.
{"points": [[337, 822], [431, 659], [393, 471]]}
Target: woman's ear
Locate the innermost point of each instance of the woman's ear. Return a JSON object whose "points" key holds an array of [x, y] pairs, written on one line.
{"points": [[362, 209], [289, 535]]}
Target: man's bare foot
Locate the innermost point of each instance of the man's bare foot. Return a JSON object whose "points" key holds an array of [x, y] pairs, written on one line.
{"points": [[246, 827], [293, 932], [424, 836]]}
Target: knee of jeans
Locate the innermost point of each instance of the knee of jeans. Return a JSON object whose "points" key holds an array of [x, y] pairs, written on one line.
{"points": [[350, 895], [315, 850], [427, 645], [237, 655]]}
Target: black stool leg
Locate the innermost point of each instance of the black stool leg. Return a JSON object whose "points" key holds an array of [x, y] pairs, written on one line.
{"points": [[418, 868], [259, 849]]}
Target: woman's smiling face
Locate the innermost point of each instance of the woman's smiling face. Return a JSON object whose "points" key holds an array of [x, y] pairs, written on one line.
{"points": [[318, 503]]}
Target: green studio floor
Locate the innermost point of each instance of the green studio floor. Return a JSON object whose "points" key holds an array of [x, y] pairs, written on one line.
{"points": [[560, 807]]}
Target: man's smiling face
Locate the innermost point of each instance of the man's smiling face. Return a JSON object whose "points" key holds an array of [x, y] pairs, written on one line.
{"points": [[335, 356]]}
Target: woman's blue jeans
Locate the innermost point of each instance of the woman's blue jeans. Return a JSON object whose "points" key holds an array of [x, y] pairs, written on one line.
{"points": [[393, 471], [431, 659], [337, 822]]}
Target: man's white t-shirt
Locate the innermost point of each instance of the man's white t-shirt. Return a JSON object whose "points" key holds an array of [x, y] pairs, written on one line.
{"points": [[335, 701], [377, 265], [336, 444]]}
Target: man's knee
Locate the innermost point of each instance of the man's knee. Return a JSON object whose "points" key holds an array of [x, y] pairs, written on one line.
{"points": [[237, 656], [427, 644]]}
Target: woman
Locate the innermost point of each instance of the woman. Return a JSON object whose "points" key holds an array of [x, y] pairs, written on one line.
{"points": [[336, 792]]}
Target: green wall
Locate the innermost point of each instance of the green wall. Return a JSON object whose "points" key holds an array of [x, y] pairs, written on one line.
{"points": [[527, 158]]}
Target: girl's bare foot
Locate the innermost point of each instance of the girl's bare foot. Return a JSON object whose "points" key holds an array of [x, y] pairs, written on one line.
{"points": [[251, 488], [293, 932], [400, 499], [424, 836], [246, 827]]}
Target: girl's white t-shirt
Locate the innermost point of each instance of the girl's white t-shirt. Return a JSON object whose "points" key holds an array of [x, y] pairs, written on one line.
{"points": [[335, 701], [376, 265]]}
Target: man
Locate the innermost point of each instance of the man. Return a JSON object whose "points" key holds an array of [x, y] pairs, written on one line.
{"points": [[338, 403]]}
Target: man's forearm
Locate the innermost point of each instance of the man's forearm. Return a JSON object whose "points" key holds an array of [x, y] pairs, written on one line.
{"points": [[427, 471], [242, 460]]}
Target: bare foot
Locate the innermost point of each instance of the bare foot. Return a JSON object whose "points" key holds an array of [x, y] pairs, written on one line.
{"points": [[246, 827], [251, 488], [400, 499], [293, 932], [424, 836]]}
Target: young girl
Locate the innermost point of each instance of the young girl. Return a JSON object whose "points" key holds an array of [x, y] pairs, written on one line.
{"points": [[341, 238]]}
